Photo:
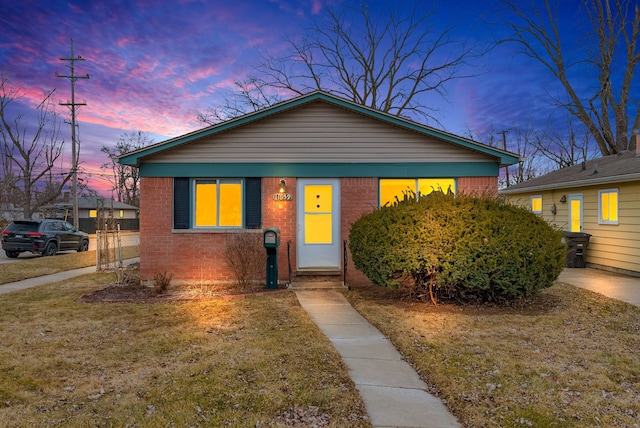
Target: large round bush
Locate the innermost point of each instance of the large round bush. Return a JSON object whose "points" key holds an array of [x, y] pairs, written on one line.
{"points": [[458, 247]]}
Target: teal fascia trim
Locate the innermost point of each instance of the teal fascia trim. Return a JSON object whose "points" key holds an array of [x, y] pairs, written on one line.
{"points": [[135, 158], [320, 170]]}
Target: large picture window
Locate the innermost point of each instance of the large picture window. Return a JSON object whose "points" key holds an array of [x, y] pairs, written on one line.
{"points": [[217, 203], [608, 206], [392, 190]]}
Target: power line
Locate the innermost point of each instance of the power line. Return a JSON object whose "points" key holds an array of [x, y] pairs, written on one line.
{"points": [[72, 106]]}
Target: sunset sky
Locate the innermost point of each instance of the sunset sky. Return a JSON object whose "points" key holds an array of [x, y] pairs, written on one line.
{"points": [[155, 64]]}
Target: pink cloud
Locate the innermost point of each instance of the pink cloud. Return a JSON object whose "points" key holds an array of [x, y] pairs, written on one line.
{"points": [[316, 7]]}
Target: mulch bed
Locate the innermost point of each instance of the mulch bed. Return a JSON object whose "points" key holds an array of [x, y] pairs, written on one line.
{"points": [[115, 293]]}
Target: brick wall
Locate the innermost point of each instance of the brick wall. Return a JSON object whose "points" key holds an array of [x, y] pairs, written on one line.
{"points": [[196, 257], [187, 256], [478, 185], [358, 196], [281, 214]]}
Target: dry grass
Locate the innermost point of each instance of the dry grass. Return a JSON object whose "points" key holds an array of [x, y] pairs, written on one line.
{"points": [[256, 362], [569, 358], [39, 266]]}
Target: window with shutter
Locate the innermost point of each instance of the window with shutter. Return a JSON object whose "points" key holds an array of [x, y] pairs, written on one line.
{"points": [[217, 203]]}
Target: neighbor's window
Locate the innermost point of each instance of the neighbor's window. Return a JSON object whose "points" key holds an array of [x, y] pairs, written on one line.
{"points": [[93, 213], [608, 206], [218, 203], [536, 204], [392, 190], [121, 213]]}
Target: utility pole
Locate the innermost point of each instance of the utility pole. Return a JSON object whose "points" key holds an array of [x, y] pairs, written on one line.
{"points": [[504, 146], [75, 153]]}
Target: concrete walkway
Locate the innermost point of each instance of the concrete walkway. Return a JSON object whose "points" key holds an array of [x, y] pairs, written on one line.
{"points": [[392, 391], [621, 287]]}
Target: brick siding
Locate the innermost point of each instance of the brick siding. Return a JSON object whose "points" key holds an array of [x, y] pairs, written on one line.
{"points": [[199, 256]]}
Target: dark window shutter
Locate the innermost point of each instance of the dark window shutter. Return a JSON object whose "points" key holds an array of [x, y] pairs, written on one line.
{"points": [[181, 205], [253, 202]]}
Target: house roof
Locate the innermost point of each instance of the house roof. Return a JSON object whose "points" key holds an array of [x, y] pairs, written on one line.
{"points": [[91, 203], [618, 168], [136, 158]]}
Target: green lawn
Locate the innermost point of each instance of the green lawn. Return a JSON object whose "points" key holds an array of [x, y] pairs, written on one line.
{"points": [[568, 358], [253, 362], [39, 266]]}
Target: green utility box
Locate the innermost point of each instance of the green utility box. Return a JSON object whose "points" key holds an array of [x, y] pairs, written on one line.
{"points": [[271, 243]]}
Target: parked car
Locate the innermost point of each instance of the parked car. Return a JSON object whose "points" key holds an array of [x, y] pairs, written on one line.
{"points": [[46, 237]]}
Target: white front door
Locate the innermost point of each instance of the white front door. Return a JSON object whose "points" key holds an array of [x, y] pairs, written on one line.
{"points": [[575, 213], [318, 212]]}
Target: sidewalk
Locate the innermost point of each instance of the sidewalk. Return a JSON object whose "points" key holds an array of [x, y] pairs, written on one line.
{"points": [[392, 391], [621, 287], [56, 277]]}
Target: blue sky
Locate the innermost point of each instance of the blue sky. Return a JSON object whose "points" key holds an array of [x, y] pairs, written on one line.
{"points": [[154, 64]]}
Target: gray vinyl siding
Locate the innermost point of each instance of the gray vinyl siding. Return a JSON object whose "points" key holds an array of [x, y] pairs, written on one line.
{"points": [[319, 133]]}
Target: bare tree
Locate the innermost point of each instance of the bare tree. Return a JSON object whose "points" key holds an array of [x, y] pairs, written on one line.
{"points": [[614, 56], [246, 96], [29, 153], [529, 165], [389, 60], [563, 151], [125, 179]]}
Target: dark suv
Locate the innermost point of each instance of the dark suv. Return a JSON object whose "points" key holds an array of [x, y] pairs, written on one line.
{"points": [[46, 237]]}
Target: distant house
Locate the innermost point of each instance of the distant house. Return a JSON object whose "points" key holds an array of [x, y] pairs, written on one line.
{"points": [[600, 197], [95, 212], [309, 166]]}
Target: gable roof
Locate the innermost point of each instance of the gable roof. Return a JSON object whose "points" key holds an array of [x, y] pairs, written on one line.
{"points": [[618, 168], [136, 158]]}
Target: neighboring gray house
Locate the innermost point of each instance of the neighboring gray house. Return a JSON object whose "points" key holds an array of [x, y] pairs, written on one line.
{"points": [[95, 210]]}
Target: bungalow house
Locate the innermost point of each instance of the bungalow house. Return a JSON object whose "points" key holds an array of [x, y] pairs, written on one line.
{"points": [[309, 166], [600, 197]]}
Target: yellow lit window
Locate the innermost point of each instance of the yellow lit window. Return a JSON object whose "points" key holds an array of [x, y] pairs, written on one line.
{"points": [[218, 203], [230, 204], [121, 213], [428, 185], [536, 204], [575, 216], [318, 214], [393, 190], [93, 213], [608, 206]]}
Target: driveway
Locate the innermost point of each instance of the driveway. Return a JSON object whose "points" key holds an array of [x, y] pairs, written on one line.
{"points": [[621, 287]]}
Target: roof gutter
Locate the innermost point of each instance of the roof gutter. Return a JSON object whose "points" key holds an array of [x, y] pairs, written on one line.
{"points": [[583, 183]]}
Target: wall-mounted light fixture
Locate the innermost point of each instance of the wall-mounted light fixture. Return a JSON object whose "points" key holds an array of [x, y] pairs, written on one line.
{"points": [[282, 194], [563, 199], [282, 188]]}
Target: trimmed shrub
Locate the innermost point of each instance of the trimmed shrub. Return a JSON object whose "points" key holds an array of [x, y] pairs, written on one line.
{"points": [[458, 247]]}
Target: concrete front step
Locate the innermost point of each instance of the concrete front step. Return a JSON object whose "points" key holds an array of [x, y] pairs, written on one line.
{"points": [[317, 285]]}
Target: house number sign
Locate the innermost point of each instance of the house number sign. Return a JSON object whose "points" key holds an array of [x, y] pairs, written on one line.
{"points": [[282, 197]]}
